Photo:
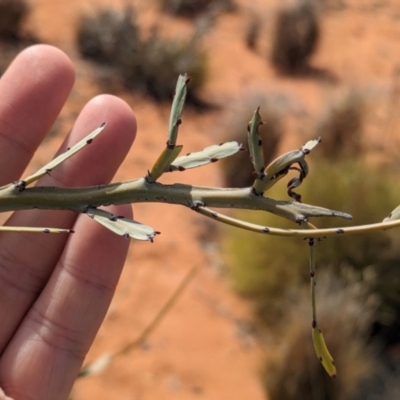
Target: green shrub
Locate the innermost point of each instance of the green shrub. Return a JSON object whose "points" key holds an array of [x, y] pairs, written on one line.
{"points": [[113, 39], [12, 16], [262, 267], [295, 37]]}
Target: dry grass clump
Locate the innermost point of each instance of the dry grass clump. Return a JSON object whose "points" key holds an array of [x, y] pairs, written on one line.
{"points": [[10, 49], [253, 31], [262, 267], [295, 37], [345, 312], [341, 126], [163, 60], [12, 16], [113, 39], [109, 36], [14, 36], [238, 171], [358, 287], [193, 8]]}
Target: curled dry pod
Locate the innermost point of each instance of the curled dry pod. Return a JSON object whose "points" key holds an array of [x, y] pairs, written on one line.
{"points": [[278, 168]]}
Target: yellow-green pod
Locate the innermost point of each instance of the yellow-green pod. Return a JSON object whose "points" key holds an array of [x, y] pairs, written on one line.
{"points": [[323, 353]]}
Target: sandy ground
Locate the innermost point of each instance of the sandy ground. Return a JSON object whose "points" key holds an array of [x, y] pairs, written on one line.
{"points": [[202, 349]]}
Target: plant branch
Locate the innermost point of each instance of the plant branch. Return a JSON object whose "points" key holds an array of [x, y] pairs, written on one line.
{"points": [[136, 191], [312, 232]]}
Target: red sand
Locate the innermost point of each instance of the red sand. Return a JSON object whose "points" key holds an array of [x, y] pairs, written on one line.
{"points": [[198, 350]]}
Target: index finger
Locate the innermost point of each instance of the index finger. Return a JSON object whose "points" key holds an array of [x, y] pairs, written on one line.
{"points": [[32, 93]]}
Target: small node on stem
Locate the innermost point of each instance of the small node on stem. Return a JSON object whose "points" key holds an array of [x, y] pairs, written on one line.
{"points": [[255, 192], [20, 185], [313, 324], [196, 205]]}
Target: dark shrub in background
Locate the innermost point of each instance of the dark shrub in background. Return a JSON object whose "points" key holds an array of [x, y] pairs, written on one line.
{"points": [[340, 126], [192, 8], [113, 39], [295, 37], [238, 171], [12, 15]]}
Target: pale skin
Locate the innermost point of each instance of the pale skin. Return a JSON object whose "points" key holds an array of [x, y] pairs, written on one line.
{"points": [[55, 289]]}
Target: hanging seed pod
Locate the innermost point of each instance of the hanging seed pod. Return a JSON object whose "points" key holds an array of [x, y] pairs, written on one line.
{"points": [[323, 353]]}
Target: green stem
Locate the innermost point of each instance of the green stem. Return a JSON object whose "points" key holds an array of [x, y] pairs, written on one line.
{"points": [[311, 243], [136, 191]]}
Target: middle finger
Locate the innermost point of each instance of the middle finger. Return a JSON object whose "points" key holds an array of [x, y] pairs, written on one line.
{"points": [[27, 260]]}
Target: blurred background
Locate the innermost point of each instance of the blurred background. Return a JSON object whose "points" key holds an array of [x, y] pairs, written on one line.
{"points": [[241, 329]]}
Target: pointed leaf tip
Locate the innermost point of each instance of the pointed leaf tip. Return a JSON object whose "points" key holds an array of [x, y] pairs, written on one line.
{"points": [[310, 145], [122, 226]]}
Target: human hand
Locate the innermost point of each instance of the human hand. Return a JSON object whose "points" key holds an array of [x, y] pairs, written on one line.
{"points": [[55, 289]]}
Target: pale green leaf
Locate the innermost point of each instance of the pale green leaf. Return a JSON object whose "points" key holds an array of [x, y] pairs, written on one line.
{"points": [[255, 144], [122, 226], [206, 156], [62, 157], [177, 108]]}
